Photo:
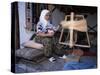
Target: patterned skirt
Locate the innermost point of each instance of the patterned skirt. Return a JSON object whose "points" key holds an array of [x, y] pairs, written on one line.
{"points": [[47, 43]]}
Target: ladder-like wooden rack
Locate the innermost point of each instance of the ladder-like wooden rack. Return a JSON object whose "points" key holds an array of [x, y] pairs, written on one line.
{"points": [[77, 23]]}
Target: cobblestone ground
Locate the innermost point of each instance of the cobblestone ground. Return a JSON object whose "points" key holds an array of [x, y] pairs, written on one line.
{"points": [[25, 66]]}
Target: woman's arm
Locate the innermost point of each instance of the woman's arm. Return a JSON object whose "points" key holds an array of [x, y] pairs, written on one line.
{"points": [[40, 31], [45, 34]]}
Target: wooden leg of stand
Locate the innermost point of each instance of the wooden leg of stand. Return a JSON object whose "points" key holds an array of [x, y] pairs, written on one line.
{"points": [[75, 37], [61, 35], [71, 38], [88, 38], [67, 36]]}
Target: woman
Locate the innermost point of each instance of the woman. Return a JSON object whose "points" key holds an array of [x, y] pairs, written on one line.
{"points": [[45, 32]]}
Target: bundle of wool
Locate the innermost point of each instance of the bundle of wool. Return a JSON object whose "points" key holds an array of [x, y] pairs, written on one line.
{"points": [[76, 22]]}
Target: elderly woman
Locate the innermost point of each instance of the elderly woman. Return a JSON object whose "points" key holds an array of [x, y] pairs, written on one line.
{"points": [[45, 32]]}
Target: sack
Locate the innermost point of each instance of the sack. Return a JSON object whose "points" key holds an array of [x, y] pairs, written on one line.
{"points": [[78, 52], [74, 55]]}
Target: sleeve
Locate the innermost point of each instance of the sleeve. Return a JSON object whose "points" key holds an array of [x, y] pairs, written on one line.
{"points": [[50, 26], [39, 27], [55, 28]]}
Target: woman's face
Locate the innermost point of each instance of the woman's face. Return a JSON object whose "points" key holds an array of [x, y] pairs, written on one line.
{"points": [[47, 16]]}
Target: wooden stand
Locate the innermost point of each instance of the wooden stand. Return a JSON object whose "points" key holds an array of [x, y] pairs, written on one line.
{"points": [[74, 24]]}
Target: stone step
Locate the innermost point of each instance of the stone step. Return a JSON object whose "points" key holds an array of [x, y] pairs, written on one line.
{"points": [[28, 53]]}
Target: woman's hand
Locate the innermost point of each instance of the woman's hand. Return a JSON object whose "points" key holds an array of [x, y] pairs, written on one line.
{"points": [[50, 33]]}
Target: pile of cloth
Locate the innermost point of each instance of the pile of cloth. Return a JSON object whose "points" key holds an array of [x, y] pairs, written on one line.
{"points": [[84, 63]]}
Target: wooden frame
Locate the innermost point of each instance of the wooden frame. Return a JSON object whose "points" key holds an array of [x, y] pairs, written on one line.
{"points": [[71, 42]]}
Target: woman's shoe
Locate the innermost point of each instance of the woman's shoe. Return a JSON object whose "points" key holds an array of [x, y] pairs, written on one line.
{"points": [[52, 59]]}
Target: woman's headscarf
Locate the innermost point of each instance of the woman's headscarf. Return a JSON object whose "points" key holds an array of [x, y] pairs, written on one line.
{"points": [[42, 17]]}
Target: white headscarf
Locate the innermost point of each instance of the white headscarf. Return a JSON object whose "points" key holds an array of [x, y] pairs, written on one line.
{"points": [[42, 18]]}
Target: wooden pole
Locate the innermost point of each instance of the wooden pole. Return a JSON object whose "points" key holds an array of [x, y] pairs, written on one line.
{"points": [[71, 31]]}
